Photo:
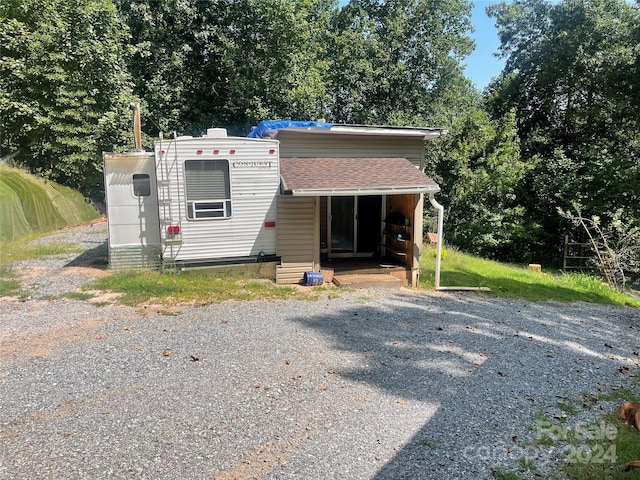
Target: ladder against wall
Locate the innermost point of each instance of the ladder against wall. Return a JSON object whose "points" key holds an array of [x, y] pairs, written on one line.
{"points": [[170, 214]]}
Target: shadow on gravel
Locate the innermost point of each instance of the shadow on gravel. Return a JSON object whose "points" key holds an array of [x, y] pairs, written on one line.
{"points": [[96, 257], [488, 365]]}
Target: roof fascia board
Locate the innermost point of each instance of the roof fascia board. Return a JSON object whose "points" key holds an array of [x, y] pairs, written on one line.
{"points": [[425, 133], [351, 192]]}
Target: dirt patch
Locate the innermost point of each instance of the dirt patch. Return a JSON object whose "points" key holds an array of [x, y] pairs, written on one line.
{"points": [[66, 409], [31, 273], [261, 460], [102, 296], [86, 271], [41, 343]]}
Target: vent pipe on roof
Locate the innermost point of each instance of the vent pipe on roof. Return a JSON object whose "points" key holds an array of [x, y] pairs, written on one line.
{"points": [[137, 133]]}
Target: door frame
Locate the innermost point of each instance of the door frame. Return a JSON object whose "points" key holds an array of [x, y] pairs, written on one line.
{"points": [[355, 253]]}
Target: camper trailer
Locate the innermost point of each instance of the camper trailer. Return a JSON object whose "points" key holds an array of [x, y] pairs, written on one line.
{"points": [[195, 201], [302, 196]]}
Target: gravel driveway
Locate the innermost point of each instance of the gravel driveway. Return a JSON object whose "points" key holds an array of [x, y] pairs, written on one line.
{"points": [[373, 384]]}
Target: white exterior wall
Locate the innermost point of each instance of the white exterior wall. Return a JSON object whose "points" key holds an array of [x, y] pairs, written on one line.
{"points": [[308, 145], [255, 178], [298, 238], [132, 221]]}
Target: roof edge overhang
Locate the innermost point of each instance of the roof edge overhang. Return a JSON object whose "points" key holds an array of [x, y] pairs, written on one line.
{"points": [[422, 133], [352, 192]]}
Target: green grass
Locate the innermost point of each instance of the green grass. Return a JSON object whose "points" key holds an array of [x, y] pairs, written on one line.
{"points": [[603, 459], [515, 281], [596, 450], [623, 394], [17, 251], [26, 249], [568, 409], [501, 474], [194, 287], [9, 285], [76, 296]]}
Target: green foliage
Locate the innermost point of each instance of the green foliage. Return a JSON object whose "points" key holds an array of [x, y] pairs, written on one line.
{"points": [[63, 86], [200, 63], [274, 59], [393, 62], [70, 69], [479, 168], [571, 77], [516, 281]]}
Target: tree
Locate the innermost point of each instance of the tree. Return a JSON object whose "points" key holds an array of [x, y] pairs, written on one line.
{"points": [[199, 63], [480, 171], [274, 59], [615, 248], [391, 62], [64, 89], [572, 75]]}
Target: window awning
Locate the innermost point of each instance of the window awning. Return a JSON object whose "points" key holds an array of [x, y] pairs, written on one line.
{"points": [[352, 176]]}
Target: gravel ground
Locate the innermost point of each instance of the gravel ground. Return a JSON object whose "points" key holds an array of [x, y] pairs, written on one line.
{"points": [[373, 384]]}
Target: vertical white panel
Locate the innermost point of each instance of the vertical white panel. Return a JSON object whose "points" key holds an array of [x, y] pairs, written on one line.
{"points": [[132, 210]]}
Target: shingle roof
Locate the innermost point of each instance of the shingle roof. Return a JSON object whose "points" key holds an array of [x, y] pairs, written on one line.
{"points": [[352, 176]]}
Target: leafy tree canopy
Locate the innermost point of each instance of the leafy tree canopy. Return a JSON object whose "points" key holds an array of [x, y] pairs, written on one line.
{"points": [[572, 78], [64, 86]]}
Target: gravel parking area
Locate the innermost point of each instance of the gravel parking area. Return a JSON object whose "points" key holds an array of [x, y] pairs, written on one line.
{"points": [[373, 384]]}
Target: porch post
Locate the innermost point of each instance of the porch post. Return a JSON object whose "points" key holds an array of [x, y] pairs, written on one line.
{"points": [[417, 238], [316, 234]]}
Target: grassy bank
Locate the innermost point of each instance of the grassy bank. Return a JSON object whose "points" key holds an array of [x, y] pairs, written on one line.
{"points": [[30, 204], [516, 281]]}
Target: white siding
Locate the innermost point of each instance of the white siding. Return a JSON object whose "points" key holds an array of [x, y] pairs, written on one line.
{"points": [[134, 231], [297, 238], [308, 145], [255, 180]]}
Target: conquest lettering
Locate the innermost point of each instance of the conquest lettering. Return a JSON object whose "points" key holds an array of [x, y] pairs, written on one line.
{"points": [[251, 164]]}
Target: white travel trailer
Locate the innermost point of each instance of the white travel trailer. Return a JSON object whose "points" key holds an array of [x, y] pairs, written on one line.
{"points": [[194, 201]]}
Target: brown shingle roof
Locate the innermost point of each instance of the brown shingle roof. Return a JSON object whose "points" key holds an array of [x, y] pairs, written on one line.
{"points": [[352, 176]]}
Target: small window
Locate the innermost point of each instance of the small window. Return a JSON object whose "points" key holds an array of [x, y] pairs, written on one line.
{"points": [[208, 189], [141, 185]]}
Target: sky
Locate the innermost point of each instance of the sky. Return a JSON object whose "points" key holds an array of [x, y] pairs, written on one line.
{"points": [[482, 65]]}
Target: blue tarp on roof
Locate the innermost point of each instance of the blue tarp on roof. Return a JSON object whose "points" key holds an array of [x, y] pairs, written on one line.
{"points": [[263, 129]]}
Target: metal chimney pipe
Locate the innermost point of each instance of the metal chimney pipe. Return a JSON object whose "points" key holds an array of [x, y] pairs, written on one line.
{"points": [[137, 133]]}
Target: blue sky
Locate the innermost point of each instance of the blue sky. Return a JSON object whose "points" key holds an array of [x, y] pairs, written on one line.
{"points": [[482, 65]]}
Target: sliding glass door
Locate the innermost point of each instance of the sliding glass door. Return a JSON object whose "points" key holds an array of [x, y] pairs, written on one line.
{"points": [[355, 225]]}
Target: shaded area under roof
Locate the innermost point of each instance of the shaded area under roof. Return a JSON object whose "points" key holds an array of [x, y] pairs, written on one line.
{"points": [[352, 176]]}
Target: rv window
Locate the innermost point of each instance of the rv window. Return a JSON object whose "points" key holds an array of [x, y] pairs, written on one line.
{"points": [[141, 185], [208, 189]]}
